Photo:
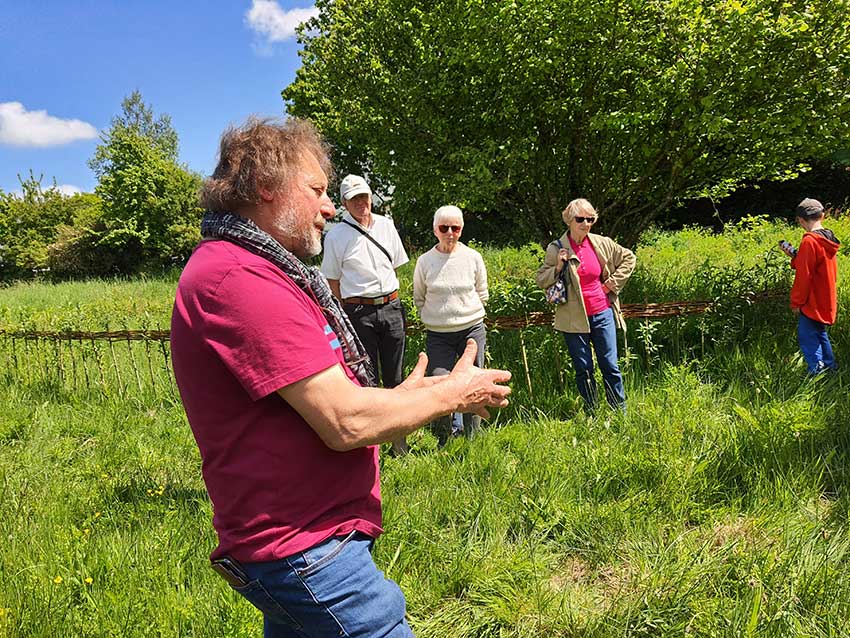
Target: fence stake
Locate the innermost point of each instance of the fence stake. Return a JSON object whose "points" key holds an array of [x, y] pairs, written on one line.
{"points": [[15, 356], [170, 376], [85, 365], [133, 363], [59, 365], [98, 357], [73, 365], [121, 388], [150, 365], [525, 364]]}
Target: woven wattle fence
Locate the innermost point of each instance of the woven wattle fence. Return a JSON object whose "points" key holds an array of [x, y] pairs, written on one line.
{"points": [[126, 363], [630, 311]]}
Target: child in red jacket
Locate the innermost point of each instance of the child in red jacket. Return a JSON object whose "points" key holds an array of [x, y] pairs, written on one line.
{"points": [[813, 295]]}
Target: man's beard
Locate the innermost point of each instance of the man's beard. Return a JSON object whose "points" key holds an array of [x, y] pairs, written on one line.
{"points": [[302, 240]]}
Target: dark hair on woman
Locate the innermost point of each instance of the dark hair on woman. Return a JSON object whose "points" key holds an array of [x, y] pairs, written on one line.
{"points": [[260, 155]]}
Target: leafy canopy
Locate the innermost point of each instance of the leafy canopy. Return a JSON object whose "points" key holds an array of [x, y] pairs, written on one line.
{"points": [[30, 222], [150, 212], [512, 108]]}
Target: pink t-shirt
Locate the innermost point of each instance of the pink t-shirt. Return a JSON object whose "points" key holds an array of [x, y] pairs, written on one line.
{"points": [[589, 273], [240, 330]]}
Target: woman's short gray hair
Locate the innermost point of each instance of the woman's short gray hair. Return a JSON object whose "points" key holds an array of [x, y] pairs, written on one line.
{"points": [[445, 213], [578, 206]]}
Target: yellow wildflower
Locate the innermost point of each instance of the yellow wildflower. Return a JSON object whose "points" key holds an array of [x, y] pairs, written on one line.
{"points": [[57, 580], [88, 581]]}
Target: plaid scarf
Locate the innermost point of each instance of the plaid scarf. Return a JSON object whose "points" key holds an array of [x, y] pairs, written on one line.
{"points": [[245, 233]]}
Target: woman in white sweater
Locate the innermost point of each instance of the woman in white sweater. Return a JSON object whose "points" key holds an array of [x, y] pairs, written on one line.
{"points": [[450, 289]]}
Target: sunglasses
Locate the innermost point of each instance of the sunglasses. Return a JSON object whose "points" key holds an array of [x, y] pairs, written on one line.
{"points": [[444, 228], [581, 220]]}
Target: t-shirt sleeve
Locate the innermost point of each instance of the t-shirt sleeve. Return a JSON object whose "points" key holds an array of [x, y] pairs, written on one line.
{"points": [[399, 254], [332, 257], [267, 332]]}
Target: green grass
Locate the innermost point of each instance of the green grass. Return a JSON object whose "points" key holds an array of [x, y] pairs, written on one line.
{"points": [[717, 506]]}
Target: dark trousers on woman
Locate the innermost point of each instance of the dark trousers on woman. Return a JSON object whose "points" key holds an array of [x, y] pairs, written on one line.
{"points": [[443, 350], [603, 337]]}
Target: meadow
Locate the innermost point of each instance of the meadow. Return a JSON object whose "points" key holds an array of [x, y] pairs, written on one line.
{"points": [[718, 505]]}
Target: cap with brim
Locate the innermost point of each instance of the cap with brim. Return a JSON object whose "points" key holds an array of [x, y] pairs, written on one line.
{"points": [[352, 186], [809, 208]]}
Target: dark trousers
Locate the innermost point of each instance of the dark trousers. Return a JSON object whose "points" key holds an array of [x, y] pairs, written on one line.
{"points": [[443, 350], [381, 329]]}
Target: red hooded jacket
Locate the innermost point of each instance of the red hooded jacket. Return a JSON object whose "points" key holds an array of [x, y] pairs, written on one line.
{"points": [[813, 291]]}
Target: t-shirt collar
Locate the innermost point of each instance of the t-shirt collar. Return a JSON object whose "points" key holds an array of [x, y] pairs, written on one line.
{"points": [[350, 218]]}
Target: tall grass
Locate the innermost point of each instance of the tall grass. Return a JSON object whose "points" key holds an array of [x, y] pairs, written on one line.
{"points": [[718, 505]]}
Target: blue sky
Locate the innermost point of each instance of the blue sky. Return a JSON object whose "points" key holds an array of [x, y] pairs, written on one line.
{"points": [[65, 67]]}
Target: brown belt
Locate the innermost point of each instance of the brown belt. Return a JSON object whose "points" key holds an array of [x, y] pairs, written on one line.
{"points": [[372, 301]]}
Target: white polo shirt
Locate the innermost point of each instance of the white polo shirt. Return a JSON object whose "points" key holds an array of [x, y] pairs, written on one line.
{"points": [[362, 268]]}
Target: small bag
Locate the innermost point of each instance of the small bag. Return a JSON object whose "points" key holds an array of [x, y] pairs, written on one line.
{"points": [[557, 292]]}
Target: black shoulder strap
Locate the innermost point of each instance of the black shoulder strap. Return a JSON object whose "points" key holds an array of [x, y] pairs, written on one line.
{"points": [[370, 238]]}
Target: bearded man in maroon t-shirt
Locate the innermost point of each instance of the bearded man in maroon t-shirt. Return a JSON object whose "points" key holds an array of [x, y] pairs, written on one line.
{"points": [[278, 392]]}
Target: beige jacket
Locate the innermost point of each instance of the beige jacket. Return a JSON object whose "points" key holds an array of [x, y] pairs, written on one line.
{"points": [[617, 266]]}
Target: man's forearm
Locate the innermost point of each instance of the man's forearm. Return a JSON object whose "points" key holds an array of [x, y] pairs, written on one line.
{"points": [[356, 417], [347, 416]]}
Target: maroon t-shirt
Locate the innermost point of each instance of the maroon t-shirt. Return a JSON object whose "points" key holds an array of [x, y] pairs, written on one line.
{"points": [[241, 329]]}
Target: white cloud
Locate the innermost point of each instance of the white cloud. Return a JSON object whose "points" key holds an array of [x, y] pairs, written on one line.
{"points": [[69, 189], [269, 20], [19, 127], [65, 189]]}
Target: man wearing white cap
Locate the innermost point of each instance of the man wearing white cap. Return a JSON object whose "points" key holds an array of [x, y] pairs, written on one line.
{"points": [[361, 255]]}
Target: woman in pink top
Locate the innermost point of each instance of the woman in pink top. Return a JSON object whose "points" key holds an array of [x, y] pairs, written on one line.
{"points": [[597, 269]]}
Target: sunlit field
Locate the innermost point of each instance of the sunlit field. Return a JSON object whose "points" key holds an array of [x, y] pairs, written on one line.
{"points": [[718, 505]]}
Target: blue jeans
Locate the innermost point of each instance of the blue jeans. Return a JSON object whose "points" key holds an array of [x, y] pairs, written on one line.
{"points": [[814, 343], [603, 336], [331, 589]]}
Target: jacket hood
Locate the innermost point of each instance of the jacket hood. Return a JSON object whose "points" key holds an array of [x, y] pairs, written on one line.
{"points": [[827, 240]]}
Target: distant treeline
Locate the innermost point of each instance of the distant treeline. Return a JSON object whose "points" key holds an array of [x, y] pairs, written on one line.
{"points": [[142, 216]]}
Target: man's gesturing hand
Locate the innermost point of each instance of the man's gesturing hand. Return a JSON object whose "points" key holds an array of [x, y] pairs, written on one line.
{"points": [[477, 388]]}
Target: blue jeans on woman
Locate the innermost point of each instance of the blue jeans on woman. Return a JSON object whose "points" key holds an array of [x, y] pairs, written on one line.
{"points": [[603, 336], [815, 345], [331, 589]]}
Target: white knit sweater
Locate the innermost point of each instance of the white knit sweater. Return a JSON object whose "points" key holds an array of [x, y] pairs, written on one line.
{"points": [[450, 289]]}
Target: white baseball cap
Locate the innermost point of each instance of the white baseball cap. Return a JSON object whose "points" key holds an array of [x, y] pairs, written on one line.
{"points": [[353, 185]]}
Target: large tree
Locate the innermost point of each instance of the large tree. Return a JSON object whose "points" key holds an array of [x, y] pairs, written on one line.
{"points": [[510, 108], [150, 211]]}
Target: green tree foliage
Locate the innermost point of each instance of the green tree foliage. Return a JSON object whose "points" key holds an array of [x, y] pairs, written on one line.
{"points": [[32, 220], [150, 213], [138, 118], [510, 108]]}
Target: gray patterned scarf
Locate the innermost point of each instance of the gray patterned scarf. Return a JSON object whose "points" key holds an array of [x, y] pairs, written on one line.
{"points": [[245, 233]]}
